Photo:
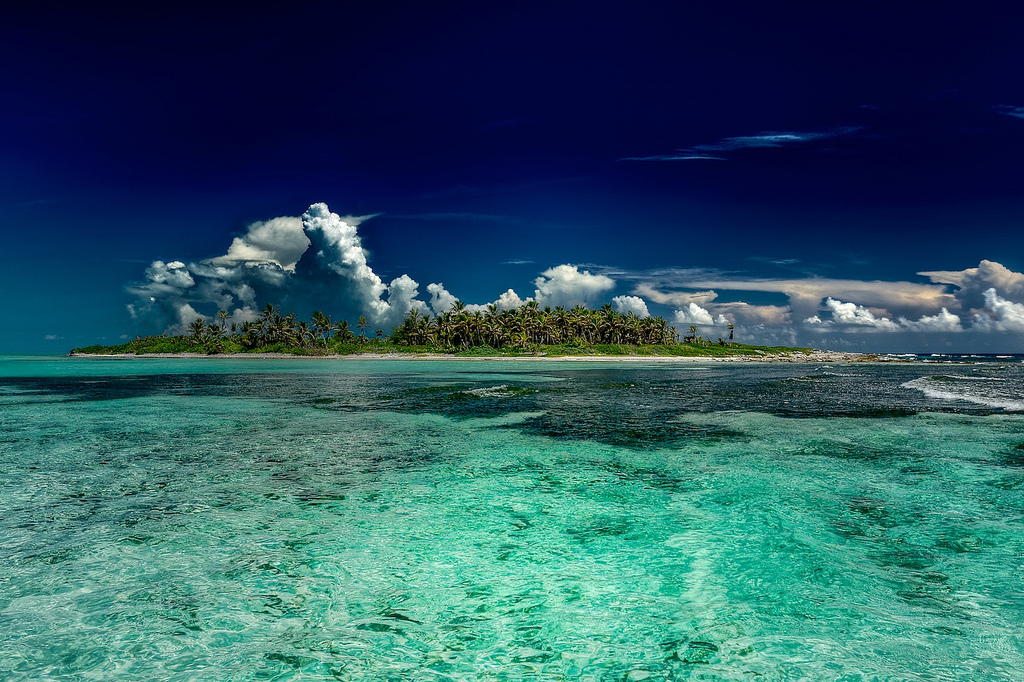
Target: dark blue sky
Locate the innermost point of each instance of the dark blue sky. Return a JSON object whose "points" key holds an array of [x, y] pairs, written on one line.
{"points": [[772, 155]]}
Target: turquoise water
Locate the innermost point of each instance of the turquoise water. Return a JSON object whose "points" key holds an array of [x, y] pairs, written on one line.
{"points": [[412, 520]]}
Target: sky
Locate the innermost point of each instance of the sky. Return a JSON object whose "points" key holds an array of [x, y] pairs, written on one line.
{"points": [[845, 176]]}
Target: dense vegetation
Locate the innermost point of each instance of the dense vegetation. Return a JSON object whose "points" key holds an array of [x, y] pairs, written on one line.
{"points": [[522, 331]]}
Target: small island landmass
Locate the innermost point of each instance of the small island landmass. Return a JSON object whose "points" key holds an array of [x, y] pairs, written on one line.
{"points": [[526, 332]]}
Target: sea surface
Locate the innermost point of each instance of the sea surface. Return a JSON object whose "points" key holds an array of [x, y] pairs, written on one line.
{"points": [[241, 519]]}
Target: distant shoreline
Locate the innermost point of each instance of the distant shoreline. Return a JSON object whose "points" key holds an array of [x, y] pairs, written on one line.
{"points": [[816, 356]]}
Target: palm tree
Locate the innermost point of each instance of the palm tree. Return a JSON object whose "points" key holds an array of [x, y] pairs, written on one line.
{"points": [[362, 325], [222, 315], [341, 331], [198, 329], [731, 327], [323, 325]]}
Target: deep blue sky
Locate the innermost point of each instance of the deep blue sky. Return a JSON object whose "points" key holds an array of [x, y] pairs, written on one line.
{"points": [[673, 147]]}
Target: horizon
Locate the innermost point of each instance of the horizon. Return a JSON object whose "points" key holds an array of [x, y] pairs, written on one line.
{"points": [[834, 178]]}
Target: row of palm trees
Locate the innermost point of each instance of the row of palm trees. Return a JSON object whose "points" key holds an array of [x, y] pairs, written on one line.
{"points": [[530, 325], [272, 328], [457, 329]]}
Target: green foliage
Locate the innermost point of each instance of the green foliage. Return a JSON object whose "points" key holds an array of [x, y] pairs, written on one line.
{"points": [[528, 330]]}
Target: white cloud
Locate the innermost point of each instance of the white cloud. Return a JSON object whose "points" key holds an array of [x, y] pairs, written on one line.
{"points": [[943, 321], [850, 316], [566, 285], [692, 314], [279, 240], [972, 283], [174, 274], [510, 301], [631, 304], [1000, 314], [337, 247], [441, 300]]}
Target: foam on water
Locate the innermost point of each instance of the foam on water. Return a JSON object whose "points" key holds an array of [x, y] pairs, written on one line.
{"points": [[399, 522], [972, 389]]}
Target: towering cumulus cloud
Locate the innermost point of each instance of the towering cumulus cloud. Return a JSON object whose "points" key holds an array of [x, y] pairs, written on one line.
{"points": [[334, 274], [303, 263]]}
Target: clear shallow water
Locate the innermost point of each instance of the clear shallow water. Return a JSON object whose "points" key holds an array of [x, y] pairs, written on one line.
{"points": [[388, 520]]}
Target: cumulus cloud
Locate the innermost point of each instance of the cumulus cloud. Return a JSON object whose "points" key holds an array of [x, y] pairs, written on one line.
{"points": [[510, 301], [281, 241], [308, 262], [999, 314], [944, 321], [567, 285], [631, 304], [852, 317], [693, 314], [973, 283], [441, 300]]}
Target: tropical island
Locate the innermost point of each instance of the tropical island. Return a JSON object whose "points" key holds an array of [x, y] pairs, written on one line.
{"points": [[527, 331]]}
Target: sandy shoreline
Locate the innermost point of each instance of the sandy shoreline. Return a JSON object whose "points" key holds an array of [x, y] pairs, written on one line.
{"points": [[812, 357]]}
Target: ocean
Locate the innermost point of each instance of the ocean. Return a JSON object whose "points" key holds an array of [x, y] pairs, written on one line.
{"points": [[242, 519]]}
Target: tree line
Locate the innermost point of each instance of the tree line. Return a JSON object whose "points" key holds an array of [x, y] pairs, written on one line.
{"points": [[454, 330]]}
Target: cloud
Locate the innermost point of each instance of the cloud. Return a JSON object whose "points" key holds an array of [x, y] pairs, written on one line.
{"points": [[1000, 314], [566, 285], [944, 321], [693, 314], [910, 299], [510, 301], [631, 304], [674, 298], [727, 147], [745, 313], [973, 283], [280, 240], [852, 317], [441, 300], [315, 261], [1008, 110]]}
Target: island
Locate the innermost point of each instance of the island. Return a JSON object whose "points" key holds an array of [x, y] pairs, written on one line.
{"points": [[461, 332]]}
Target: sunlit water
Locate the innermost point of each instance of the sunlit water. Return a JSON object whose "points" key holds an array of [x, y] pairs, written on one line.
{"points": [[412, 520]]}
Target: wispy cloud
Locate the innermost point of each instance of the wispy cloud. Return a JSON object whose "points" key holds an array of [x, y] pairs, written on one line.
{"points": [[1008, 110], [727, 147]]}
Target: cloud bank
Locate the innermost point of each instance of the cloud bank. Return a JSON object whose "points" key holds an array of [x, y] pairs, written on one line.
{"points": [[316, 261]]}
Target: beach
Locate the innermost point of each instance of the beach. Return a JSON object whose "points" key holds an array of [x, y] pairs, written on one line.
{"points": [[816, 356]]}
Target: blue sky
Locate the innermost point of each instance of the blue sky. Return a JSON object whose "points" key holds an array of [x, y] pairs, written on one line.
{"points": [[845, 177]]}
